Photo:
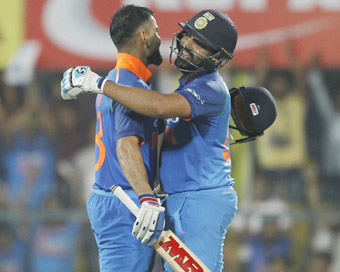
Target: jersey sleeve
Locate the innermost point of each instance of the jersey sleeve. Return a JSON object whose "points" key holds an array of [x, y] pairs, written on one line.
{"points": [[205, 98], [128, 122]]}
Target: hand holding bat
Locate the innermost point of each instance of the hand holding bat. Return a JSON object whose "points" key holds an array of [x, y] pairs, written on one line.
{"points": [[149, 223], [168, 246]]}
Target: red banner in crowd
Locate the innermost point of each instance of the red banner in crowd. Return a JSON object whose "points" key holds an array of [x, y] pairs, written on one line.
{"points": [[76, 32]]}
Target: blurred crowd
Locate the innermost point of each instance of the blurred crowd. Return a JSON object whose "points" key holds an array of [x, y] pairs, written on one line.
{"points": [[47, 163], [288, 180]]}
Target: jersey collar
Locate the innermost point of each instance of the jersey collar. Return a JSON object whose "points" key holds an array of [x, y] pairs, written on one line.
{"points": [[133, 64], [182, 83]]}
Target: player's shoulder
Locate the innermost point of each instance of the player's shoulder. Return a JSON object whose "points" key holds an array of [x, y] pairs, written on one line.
{"points": [[210, 82], [206, 88], [126, 77]]}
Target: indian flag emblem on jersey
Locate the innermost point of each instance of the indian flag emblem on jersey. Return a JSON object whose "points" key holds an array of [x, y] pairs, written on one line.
{"points": [[209, 16]]}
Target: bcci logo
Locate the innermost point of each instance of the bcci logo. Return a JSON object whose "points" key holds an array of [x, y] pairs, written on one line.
{"points": [[201, 22]]}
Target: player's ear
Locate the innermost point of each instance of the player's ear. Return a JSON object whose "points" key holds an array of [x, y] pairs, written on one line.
{"points": [[144, 37]]}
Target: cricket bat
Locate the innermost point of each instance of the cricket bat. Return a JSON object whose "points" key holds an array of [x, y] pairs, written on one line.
{"points": [[168, 246]]}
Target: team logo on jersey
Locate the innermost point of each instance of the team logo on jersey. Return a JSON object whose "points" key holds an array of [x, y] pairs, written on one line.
{"points": [[198, 97], [201, 22], [172, 120], [254, 109]]}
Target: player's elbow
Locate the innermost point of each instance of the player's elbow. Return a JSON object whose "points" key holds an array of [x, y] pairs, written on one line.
{"points": [[127, 145], [160, 111]]}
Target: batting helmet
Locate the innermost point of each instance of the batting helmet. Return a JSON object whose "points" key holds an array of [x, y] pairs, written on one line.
{"points": [[253, 110], [213, 30]]}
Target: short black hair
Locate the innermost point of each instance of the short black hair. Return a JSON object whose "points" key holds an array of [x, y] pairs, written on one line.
{"points": [[125, 23]]}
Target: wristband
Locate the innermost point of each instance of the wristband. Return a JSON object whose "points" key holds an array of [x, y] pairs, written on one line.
{"points": [[101, 82], [152, 199]]}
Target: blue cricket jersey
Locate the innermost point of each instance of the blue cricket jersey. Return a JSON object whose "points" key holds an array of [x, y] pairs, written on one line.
{"points": [[115, 121], [195, 152]]}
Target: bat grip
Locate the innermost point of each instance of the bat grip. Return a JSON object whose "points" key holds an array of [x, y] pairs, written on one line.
{"points": [[124, 197]]}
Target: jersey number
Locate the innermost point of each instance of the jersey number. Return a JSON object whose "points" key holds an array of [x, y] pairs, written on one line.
{"points": [[99, 143], [226, 151]]}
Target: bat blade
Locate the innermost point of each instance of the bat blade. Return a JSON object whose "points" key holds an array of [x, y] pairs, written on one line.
{"points": [[177, 254]]}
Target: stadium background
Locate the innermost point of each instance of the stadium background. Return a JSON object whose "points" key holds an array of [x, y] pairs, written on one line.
{"points": [[288, 217]]}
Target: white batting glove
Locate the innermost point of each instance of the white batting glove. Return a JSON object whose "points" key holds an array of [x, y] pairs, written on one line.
{"points": [[80, 79], [149, 223]]}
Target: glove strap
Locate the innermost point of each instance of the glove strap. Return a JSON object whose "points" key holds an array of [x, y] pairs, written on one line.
{"points": [[152, 199]]}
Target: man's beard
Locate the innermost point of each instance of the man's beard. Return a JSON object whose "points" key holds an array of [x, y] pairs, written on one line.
{"points": [[155, 57], [188, 64], [183, 64]]}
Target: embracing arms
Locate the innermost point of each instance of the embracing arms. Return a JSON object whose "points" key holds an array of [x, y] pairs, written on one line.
{"points": [[143, 101]]}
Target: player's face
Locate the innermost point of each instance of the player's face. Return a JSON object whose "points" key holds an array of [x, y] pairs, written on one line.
{"points": [[190, 51], [154, 55]]}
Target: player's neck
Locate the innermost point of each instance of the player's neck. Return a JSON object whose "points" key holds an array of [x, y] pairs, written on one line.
{"points": [[135, 52], [186, 76]]}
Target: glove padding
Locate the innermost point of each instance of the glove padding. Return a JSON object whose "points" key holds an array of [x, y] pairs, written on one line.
{"points": [[149, 223], [80, 79]]}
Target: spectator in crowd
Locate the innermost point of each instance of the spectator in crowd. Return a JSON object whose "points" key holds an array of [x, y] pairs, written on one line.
{"points": [[12, 250], [71, 138], [54, 240], [78, 170], [282, 152], [319, 262], [271, 245], [29, 155], [12, 98], [83, 161], [3, 187], [279, 264], [327, 103], [67, 136]]}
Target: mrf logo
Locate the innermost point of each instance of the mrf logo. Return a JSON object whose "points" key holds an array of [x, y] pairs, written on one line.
{"points": [[254, 109], [180, 256]]}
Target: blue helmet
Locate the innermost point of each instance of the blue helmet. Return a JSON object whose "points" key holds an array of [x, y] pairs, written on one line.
{"points": [[253, 110], [213, 30]]}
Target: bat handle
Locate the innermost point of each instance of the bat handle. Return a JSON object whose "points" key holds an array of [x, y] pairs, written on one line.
{"points": [[124, 197]]}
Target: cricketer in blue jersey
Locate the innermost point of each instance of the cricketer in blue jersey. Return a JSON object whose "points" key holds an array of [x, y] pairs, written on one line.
{"points": [[115, 121], [111, 222], [126, 151], [197, 147], [195, 169], [195, 160]]}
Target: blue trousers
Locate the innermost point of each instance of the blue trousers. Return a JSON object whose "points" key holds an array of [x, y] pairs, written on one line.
{"points": [[201, 220], [111, 223]]}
